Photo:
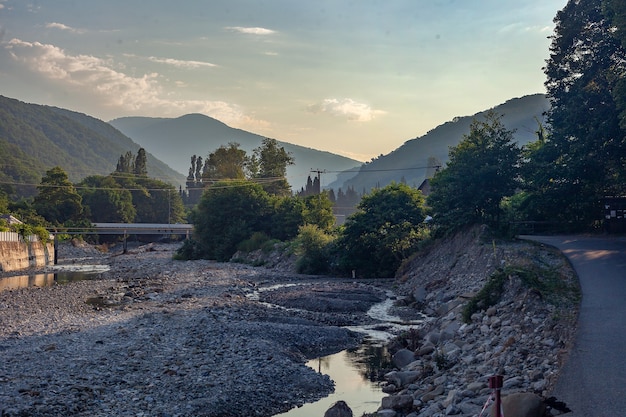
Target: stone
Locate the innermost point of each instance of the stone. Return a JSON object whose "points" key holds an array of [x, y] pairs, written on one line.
{"points": [[401, 379], [431, 395], [521, 404], [425, 350], [339, 409], [402, 358], [397, 402], [386, 413]]}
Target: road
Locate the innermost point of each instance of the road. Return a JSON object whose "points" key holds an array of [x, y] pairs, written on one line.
{"points": [[593, 380]]}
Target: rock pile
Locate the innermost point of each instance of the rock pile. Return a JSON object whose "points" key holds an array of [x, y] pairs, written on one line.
{"points": [[443, 368]]}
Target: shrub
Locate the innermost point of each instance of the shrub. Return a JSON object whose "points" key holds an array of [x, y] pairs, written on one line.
{"points": [[312, 245]]}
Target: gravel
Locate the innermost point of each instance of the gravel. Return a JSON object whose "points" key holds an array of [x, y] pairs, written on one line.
{"points": [[158, 337]]}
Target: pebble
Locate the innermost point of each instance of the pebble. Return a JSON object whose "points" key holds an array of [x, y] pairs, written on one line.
{"points": [[162, 338]]}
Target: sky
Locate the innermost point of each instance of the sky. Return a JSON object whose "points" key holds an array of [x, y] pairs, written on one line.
{"points": [[353, 77]]}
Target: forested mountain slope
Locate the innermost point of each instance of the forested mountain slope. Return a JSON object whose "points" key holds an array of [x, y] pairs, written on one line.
{"points": [[35, 138], [176, 140], [409, 161]]}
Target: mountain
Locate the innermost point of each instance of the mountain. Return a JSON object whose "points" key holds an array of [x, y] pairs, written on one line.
{"points": [[35, 138], [176, 140], [410, 162]]}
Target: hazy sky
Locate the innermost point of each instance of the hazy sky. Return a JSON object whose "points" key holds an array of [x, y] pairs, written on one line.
{"points": [[353, 77]]}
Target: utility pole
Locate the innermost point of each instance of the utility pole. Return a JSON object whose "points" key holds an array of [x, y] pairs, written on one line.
{"points": [[319, 173]]}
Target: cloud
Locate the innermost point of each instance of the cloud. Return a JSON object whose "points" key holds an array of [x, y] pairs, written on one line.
{"points": [[181, 63], [251, 31], [101, 82], [346, 107], [61, 26]]}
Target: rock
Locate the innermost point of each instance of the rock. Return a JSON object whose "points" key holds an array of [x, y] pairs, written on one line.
{"points": [[339, 409], [386, 413], [402, 358], [431, 395], [522, 404], [401, 379], [397, 402]]}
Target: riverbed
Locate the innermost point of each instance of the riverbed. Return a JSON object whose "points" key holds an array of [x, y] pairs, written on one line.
{"points": [[153, 336]]}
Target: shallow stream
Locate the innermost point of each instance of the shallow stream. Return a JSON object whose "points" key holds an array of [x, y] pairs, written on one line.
{"points": [[58, 274]]}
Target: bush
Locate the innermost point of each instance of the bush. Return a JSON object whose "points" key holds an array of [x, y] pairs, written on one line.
{"points": [[312, 247]]}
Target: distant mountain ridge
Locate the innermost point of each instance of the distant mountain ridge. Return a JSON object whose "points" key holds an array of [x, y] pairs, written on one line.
{"points": [[35, 138], [410, 161], [176, 140]]}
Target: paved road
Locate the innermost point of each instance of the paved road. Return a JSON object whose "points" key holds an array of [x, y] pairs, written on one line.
{"points": [[593, 381]]}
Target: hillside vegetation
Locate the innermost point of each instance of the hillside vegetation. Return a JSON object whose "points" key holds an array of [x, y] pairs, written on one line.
{"points": [[408, 163], [176, 140], [35, 138]]}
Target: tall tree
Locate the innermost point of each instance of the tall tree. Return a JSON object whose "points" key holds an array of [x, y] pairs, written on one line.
{"points": [[106, 200], [584, 156], [125, 163], [481, 171], [140, 167], [226, 163], [57, 200], [272, 161]]}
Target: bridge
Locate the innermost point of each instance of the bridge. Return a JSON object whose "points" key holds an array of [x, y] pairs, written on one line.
{"points": [[125, 229]]}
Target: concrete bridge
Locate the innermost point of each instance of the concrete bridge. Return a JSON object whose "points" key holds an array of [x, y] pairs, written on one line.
{"points": [[126, 229]]}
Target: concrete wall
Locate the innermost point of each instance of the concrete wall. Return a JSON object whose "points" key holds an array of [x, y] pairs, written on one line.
{"points": [[15, 256]]}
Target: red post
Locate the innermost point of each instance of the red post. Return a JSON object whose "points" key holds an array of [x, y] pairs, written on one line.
{"points": [[495, 383]]}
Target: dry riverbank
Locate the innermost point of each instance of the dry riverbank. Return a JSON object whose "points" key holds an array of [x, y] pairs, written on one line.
{"points": [[158, 337]]}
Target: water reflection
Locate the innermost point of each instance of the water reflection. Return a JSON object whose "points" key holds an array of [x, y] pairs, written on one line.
{"points": [[61, 275], [353, 372]]}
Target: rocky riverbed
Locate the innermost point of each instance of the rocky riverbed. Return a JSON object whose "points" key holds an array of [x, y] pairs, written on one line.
{"points": [[158, 337]]}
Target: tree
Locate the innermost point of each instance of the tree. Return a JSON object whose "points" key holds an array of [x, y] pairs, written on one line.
{"points": [[271, 161], [140, 167], [57, 200], [225, 163], [583, 158], [386, 228], [106, 200], [482, 169], [125, 163], [228, 213], [319, 211]]}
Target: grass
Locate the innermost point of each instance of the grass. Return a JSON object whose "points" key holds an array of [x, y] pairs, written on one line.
{"points": [[553, 287]]}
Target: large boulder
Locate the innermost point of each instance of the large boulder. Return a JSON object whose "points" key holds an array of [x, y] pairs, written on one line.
{"points": [[521, 404], [402, 358]]}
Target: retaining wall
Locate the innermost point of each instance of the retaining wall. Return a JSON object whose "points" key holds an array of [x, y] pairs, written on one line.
{"points": [[18, 255]]}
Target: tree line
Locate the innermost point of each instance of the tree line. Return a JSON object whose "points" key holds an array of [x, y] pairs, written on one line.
{"points": [[126, 195], [578, 158]]}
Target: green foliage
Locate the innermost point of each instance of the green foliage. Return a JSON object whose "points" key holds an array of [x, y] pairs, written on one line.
{"points": [[548, 282], [312, 247], [287, 217], [583, 158], [270, 162], [482, 170], [258, 240], [58, 201], [319, 211], [228, 213], [488, 296], [387, 227], [225, 163], [106, 200]]}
